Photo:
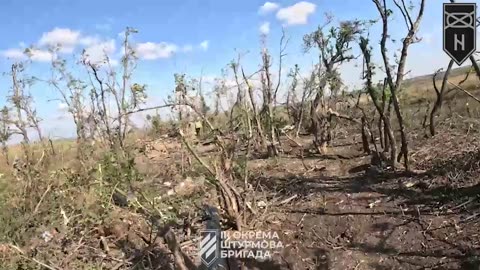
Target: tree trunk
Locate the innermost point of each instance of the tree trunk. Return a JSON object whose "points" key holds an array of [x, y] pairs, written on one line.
{"points": [[365, 144], [437, 106]]}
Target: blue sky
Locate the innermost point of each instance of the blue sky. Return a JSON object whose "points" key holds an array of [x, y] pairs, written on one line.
{"points": [[191, 36]]}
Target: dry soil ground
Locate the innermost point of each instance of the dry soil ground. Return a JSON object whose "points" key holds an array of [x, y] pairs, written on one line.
{"points": [[347, 215], [349, 218]]}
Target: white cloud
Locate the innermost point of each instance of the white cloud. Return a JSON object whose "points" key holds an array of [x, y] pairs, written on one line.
{"points": [[67, 40], [268, 7], [34, 54], [209, 79], [114, 62], [297, 13], [89, 40], [97, 51], [62, 106], [15, 54], [265, 28], [40, 55], [96, 47], [152, 51], [204, 45], [65, 37]]}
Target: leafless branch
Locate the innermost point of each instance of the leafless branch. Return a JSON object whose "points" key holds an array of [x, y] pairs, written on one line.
{"points": [[465, 91]]}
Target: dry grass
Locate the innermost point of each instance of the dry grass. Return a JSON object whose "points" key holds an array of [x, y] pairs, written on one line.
{"points": [[421, 88], [65, 151]]}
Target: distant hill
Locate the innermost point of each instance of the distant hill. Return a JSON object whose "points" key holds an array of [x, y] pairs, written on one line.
{"points": [[421, 87], [454, 72]]}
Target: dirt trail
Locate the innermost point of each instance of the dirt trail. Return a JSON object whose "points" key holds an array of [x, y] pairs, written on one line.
{"points": [[347, 218], [344, 214]]}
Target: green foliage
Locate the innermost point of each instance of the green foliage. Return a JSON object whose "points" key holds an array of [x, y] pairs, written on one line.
{"points": [[179, 83], [378, 92], [118, 170], [281, 117], [348, 30], [5, 132], [335, 42], [334, 79], [155, 123], [158, 126], [239, 167]]}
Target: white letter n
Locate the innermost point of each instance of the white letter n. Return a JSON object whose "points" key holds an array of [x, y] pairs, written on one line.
{"points": [[457, 41]]}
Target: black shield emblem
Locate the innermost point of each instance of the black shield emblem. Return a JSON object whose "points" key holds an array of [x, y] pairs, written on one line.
{"points": [[459, 30], [209, 247]]}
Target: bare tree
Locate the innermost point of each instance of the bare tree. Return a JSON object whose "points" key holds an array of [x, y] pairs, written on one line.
{"points": [[256, 115], [21, 105], [72, 94], [334, 49], [126, 96], [219, 90], [437, 106], [241, 95], [292, 94], [380, 107], [294, 106], [394, 81], [269, 93], [5, 132], [263, 116]]}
